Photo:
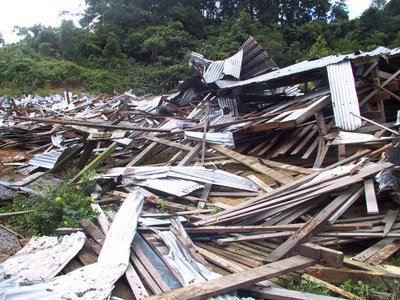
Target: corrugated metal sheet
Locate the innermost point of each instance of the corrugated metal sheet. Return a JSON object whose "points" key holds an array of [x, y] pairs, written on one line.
{"points": [[170, 186], [94, 281], [32, 262], [231, 104], [45, 160], [218, 138], [214, 72], [255, 59], [233, 65], [193, 174], [344, 96], [186, 97], [305, 66]]}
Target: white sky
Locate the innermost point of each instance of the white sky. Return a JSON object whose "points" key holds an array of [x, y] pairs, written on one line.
{"points": [[26, 13]]}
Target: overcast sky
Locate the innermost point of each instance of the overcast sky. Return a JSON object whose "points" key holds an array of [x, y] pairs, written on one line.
{"points": [[26, 13]]}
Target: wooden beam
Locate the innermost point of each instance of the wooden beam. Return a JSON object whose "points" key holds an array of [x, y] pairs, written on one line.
{"points": [[330, 257], [214, 287]]}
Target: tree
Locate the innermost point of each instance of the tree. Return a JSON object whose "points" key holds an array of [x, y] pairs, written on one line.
{"points": [[378, 4], [339, 11], [2, 42], [320, 48]]}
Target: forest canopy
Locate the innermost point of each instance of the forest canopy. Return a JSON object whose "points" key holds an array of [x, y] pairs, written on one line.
{"points": [[145, 44]]}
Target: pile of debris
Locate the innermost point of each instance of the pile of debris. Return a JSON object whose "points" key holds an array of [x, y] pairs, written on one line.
{"points": [[262, 171]]}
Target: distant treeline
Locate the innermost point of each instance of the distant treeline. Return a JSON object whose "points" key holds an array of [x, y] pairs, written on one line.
{"points": [[145, 45]]}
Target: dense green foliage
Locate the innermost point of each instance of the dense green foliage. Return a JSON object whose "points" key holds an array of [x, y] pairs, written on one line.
{"points": [[59, 206], [145, 45]]}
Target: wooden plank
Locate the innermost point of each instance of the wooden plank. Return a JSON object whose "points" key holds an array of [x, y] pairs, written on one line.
{"points": [[332, 287], [311, 227], [385, 253], [294, 189], [370, 197], [260, 183], [220, 261], [144, 260], [341, 275], [294, 139], [305, 141], [190, 156], [341, 210], [389, 220], [274, 235], [144, 275], [142, 155], [168, 143], [367, 253], [135, 282], [235, 281], [93, 231], [253, 164], [303, 114], [232, 256], [287, 167]]}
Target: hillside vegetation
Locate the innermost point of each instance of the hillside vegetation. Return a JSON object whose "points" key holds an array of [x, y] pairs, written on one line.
{"points": [[145, 45]]}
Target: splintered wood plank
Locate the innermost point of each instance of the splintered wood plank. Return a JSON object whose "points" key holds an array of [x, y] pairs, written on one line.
{"points": [[214, 287], [253, 164], [370, 197], [311, 227]]}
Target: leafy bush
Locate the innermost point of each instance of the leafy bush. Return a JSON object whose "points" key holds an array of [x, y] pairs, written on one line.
{"points": [[61, 206]]}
